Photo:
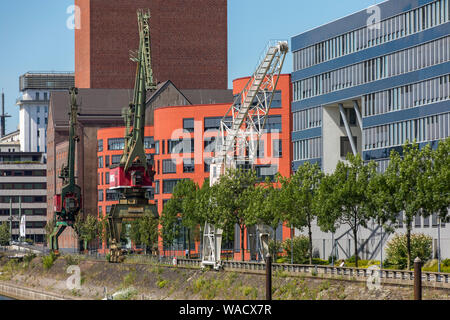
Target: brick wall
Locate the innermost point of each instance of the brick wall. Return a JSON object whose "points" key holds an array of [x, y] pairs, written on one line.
{"points": [[189, 43]]}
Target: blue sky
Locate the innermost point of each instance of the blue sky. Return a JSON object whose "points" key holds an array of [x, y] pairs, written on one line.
{"points": [[34, 35]]}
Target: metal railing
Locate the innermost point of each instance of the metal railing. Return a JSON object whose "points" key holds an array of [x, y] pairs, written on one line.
{"points": [[359, 274]]}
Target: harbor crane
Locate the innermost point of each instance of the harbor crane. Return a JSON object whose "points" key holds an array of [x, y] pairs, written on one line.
{"points": [[132, 178], [240, 130], [67, 204]]}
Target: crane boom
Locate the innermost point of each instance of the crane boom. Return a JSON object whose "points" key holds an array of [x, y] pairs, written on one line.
{"points": [[134, 175], [242, 126], [67, 204]]}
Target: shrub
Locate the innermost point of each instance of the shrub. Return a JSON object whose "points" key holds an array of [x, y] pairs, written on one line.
{"points": [[275, 248], [446, 262], [396, 251], [47, 261], [301, 249]]}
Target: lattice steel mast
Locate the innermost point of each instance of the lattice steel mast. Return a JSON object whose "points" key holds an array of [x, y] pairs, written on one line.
{"points": [[241, 128]]}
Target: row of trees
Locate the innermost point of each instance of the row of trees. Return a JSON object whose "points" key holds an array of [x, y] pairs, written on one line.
{"points": [[416, 182]]}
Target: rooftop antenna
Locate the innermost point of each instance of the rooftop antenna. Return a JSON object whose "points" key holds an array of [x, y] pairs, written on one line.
{"points": [[3, 117]]}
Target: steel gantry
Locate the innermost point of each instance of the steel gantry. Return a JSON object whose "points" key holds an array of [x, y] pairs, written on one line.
{"points": [[133, 177], [67, 204], [240, 130]]}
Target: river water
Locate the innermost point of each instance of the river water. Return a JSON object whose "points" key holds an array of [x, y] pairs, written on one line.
{"points": [[5, 298]]}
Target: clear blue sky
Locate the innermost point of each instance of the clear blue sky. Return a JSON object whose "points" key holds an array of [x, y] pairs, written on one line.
{"points": [[34, 35]]}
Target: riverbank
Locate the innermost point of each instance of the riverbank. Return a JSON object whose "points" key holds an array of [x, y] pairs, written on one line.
{"points": [[137, 281]]}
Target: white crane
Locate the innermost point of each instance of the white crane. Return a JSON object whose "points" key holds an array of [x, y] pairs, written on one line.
{"points": [[240, 130]]}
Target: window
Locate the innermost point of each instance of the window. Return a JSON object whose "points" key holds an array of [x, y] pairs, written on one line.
{"points": [[100, 162], [100, 145], [106, 161], [277, 148], [350, 114], [213, 123], [156, 186], [346, 146], [111, 195], [38, 120], [168, 185], [260, 149], [149, 143], [264, 172], [180, 146], [273, 124], [188, 165], [116, 144], [169, 166], [207, 164], [45, 96], [100, 195], [106, 177], [115, 159], [37, 98], [188, 125]]}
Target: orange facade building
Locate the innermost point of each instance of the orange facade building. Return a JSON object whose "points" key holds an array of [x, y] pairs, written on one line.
{"points": [[181, 141]]}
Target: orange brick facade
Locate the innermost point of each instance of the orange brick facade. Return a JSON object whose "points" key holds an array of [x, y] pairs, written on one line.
{"points": [[188, 42], [168, 125]]}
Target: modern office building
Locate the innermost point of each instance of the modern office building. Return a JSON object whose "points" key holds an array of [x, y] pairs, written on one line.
{"points": [[180, 144], [10, 142], [35, 88], [365, 84], [23, 193]]}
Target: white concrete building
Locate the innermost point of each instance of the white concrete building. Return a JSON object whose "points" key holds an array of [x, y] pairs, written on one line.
{"points": [[36, 88]]}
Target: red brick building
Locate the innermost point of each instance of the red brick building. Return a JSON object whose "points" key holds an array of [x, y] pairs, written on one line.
{"points": [[196, 124], [188, 42]]}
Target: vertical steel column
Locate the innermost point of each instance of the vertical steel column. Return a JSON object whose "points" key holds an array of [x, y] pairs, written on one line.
{"points": [[417, 279], [10, 220], [268, 277], [358, 113], [347, 129]]}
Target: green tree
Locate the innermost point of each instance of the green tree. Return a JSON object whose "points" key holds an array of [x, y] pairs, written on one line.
{"points": [[87, 229], [147, 229], [435, 182], [4, 234], [181, 207], [344, 199], [404, 178], [298, 196], [396, 249], [230, 200], [264, 207]]}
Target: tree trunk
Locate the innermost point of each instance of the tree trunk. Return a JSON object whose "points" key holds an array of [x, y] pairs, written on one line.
{"points": [[408, 245], [242, 243], [355, 237], [310, 242]]}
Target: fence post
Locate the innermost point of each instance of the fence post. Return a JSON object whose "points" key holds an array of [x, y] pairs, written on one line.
{"points": [[268, 277], [417, 279]]}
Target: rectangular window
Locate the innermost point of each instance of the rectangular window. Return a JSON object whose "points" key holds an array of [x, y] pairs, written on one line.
{"points": [[100, 195], [346, 146], [169, 166], [277, 148], [168, 185], [188, 125], [115, 159], [273, 124], [100, 162], [116, 144], [100, 145], [188, 165]]}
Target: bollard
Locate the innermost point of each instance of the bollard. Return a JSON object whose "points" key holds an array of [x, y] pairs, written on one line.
{"points": [[417, 279], [268, 277]]}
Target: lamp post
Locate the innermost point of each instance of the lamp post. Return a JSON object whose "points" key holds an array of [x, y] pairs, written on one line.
{"points": [[439, 244]]}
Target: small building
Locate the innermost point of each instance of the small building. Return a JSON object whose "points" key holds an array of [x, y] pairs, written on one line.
{"points": [[35, 88]]}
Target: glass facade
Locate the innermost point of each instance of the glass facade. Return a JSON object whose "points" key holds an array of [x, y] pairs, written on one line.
{"points": [[394, 28]]}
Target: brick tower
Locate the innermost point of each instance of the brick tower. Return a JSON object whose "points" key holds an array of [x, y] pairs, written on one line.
{"points": [[189, 43]]}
